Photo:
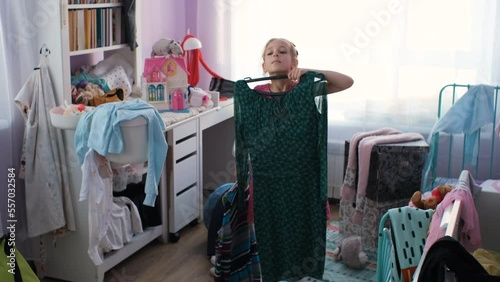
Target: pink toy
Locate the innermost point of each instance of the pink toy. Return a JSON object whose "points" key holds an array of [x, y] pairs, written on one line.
{"points": [[177, 101]]}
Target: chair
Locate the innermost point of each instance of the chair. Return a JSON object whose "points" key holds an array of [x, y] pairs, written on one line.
{"points": [[401, 241]]}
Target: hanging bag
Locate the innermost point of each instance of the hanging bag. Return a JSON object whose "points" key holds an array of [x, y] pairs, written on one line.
{"points": [[13, 266], [223, 86]]}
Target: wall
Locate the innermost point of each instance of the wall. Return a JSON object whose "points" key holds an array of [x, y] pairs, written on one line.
{"points": [[173, 19], [160, 19]]}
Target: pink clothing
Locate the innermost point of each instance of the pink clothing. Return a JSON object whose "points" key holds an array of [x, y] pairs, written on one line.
{"points": [[267, 88], [470, 234]]}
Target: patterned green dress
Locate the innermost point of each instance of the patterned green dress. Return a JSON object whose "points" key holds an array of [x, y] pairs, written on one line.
{"points": [[284, 142]]}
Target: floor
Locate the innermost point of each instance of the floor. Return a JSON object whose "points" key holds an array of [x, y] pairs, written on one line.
{"points": [[183, 261]]}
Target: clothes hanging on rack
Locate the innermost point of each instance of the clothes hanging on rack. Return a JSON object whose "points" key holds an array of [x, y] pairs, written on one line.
{"points": [[285, 141], [48, 198]]}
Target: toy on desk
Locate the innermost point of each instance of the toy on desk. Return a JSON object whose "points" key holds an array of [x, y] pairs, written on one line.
{"points": [[154, 83], [165, 83], [165, 47], [431, 202], [198, 97]]}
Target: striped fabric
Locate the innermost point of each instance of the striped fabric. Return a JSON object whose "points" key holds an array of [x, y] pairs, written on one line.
{"points": [[237, 258]]}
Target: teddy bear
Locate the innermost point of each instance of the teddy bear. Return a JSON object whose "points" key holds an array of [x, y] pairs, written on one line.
{"points": [[350, 251], [431, 202], [165, 47]]}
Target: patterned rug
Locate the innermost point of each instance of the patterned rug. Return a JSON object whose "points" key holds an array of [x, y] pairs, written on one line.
{"points": [[336, 270]]}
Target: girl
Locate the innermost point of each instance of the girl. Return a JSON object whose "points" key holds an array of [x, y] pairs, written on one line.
{"points": [[280, 57], [287, 251]]}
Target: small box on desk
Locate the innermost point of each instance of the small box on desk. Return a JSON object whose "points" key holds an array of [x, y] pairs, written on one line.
{"points": [[395, 173]]}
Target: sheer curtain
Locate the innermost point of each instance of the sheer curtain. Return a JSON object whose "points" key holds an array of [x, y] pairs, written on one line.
{"points": [[399, 53], [18, 56]]}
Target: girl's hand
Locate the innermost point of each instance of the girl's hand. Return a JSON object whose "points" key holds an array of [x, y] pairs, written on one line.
{"points": [[296, 73]]}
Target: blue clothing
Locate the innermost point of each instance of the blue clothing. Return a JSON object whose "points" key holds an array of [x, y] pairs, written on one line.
{"points": [[409, 229], [472, 111], [104, 136]]}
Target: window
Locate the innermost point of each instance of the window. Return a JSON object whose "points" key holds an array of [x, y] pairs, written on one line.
{"points": [[399, 53]]}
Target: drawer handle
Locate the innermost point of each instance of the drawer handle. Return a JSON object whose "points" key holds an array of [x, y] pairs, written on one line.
{"points": [[185, 189], [185, 138], [185, 157]]}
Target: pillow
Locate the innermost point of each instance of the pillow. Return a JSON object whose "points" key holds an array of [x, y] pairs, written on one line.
{"points": [[117, 77], [108, 63]]}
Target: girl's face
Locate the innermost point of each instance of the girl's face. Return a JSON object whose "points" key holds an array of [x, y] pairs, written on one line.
{"points": [[278, 58]]}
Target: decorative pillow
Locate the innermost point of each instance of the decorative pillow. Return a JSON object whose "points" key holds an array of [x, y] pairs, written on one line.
{"points": [[108, 63], [118, 78]]}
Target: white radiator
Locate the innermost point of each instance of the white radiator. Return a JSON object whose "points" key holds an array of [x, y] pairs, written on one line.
{"points": [[335, 168]]}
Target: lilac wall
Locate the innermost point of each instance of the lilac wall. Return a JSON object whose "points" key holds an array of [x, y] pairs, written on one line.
{"points": [[172, 19], [160, 19]]}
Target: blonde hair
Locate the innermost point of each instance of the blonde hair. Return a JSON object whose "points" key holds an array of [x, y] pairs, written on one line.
{"points": [[291, 46]]}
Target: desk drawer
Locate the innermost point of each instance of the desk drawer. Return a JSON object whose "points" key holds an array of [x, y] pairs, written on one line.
{"points": [[185, 173], [184, 147], [180, 132], [185, 209], [216, 117]]}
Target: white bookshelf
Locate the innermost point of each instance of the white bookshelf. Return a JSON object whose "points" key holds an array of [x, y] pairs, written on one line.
{"points": [[68, 259]]}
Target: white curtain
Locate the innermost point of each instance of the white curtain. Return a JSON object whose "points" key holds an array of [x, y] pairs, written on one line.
{"points": [[18, 57], [399, 52]]}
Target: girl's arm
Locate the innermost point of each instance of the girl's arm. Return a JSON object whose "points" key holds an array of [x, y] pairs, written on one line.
{"points": [[335, 81]]}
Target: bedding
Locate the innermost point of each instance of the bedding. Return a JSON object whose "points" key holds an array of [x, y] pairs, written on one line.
{"points": [[464, 136]]}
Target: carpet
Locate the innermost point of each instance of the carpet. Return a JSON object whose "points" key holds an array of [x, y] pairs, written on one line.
{"points": [[336, 270]]}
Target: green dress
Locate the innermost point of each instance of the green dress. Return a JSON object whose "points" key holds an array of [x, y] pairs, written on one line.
{"points": [[284, 143]]}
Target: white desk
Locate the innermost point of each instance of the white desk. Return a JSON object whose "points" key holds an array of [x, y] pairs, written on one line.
{"points": [[68, 259], [185, 161]]}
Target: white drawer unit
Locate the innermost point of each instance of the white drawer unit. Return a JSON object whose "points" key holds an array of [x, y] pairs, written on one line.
{"points": [[183, 177]]}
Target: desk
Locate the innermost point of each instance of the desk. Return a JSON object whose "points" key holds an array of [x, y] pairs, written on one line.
{"points": [[184, 168], [69, 260]]}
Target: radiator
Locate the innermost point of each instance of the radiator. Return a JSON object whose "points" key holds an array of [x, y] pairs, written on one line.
{"points": [[335, 168]]}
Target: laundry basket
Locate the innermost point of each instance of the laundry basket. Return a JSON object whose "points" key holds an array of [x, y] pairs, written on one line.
{"points": [[401, 241], [135, 143]]}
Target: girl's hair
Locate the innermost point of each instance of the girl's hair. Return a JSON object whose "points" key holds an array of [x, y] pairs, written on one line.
{"points": [[293, 50]]}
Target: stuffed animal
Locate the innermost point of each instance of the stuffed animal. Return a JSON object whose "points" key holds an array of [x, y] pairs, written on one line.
{"points": [[165, 47], [198, 97], [350, 251], [431, 202]]}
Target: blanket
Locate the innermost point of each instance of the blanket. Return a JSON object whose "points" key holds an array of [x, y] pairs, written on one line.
{"points": [[470, 234], [366, 142], [472, 111]]}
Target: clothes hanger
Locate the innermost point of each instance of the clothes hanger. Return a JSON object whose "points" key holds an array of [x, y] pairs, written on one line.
{"points": [[281, 76], [274, 77]]}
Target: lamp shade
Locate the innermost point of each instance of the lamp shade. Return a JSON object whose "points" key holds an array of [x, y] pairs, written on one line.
{"points": [[192, 44]]}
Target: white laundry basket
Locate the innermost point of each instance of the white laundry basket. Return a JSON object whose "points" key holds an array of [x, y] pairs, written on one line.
{"points": [[135, 142]]}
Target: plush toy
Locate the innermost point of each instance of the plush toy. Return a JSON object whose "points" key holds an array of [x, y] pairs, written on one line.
{"points": [[165, 47], [198, 97], [431, 202], [350, 251]]}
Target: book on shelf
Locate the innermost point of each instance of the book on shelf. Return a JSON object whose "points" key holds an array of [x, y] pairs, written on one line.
{"points": [[76, 2], [95, 28]]}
